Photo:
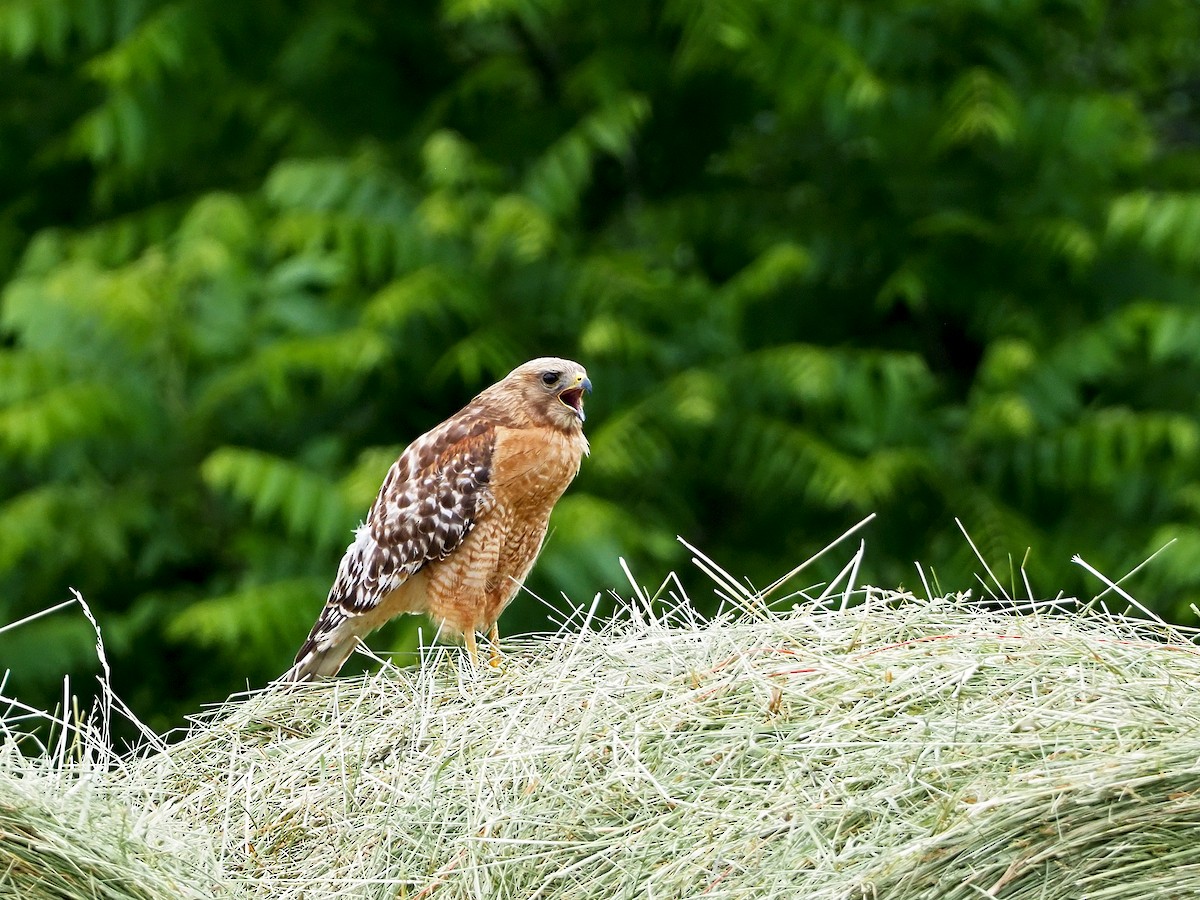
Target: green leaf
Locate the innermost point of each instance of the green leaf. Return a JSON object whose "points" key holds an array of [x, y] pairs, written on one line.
{"points": [[309, 505]]}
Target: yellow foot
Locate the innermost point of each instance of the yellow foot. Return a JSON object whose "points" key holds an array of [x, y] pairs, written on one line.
{"points": [[495, 659]]}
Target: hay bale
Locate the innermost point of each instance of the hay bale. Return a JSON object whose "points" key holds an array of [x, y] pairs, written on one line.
{"points": [[900, 748], [63, 838]]}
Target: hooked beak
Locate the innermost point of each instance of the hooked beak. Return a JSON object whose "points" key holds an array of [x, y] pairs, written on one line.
{"points": [[573, 396]]}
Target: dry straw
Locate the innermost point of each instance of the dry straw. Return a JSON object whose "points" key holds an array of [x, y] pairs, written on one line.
{"points": [[899, 747]]}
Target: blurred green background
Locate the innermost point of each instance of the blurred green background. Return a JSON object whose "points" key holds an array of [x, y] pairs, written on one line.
{"points": [[821, 259]]}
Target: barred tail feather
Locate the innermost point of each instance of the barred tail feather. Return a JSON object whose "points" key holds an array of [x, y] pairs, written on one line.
{"points": [[327, 647], [313, 661]]}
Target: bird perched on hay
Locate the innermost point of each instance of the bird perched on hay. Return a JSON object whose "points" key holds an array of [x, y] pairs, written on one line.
{"points": [[460, 517]]}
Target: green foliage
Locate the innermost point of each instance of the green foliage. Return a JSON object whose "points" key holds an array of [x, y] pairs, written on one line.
{"points": [[821, 260]]}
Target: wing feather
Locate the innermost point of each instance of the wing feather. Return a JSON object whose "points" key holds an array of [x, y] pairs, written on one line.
{"points": [[429, 502]]}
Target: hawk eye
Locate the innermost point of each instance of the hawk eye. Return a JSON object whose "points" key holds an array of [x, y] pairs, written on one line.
{"points": [[548, 378]]}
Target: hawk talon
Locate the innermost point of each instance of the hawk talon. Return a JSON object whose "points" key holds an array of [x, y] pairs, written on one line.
{"points": [[495, 657]]}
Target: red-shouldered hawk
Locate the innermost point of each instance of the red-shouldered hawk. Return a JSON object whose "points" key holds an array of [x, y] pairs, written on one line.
{"points": [[460, 518]]}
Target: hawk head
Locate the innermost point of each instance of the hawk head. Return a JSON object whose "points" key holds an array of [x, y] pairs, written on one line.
{"points": [[549, 389]]}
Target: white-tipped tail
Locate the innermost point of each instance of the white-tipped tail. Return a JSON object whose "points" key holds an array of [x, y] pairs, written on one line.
{"points": [[313, 662]]}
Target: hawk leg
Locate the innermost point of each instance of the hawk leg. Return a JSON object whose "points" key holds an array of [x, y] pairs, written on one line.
{"points": [[472, 647], [494, 658]]}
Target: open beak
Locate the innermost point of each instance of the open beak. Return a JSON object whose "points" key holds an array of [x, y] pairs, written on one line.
{"points": [[573, 396]]}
